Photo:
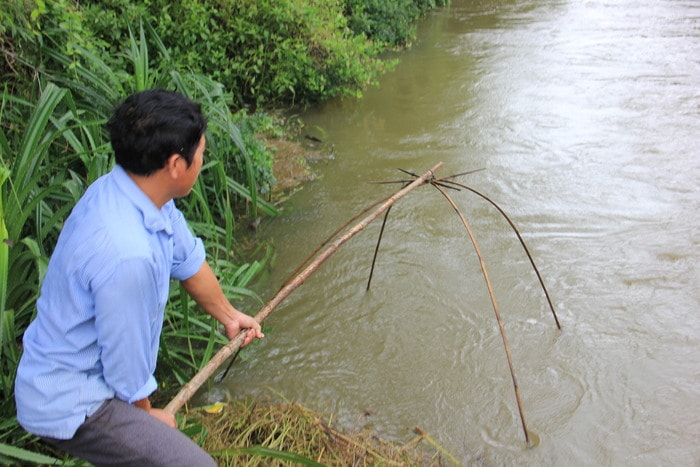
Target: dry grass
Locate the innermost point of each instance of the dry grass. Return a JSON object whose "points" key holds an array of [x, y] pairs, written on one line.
{"points": [[292, 428]]}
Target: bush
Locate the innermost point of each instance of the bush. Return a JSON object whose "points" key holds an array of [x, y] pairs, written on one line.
{"points": [[266, 52], [18, 31], [390, 23]]}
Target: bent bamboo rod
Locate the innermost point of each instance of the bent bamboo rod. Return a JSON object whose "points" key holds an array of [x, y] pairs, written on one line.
{"points": [[520, 238], [502, 328], [234, 344]]}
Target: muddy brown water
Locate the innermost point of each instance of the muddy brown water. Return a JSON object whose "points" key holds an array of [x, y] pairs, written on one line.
{"points": [[585, 116]]}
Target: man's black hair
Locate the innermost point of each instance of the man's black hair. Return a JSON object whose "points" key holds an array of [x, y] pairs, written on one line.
{"points": [[150, 126]]}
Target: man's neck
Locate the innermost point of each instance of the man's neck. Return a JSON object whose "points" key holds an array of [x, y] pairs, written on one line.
{"points": [[154, 186]]}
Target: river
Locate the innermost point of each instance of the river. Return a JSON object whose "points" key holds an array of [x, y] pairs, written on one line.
{"points": [[585, 116]]}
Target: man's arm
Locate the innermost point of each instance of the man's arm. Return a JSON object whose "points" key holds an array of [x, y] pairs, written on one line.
{"points": [[204, 288], [125, 306]]}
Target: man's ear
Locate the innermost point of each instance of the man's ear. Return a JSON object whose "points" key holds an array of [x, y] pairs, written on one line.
{"points": [[174, 165]]}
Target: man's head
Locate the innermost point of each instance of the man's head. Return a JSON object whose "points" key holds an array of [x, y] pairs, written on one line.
{"points": [[150, 126]]}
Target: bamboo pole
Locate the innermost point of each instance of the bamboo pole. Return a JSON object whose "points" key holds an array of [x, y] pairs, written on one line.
{"points": [[376, 248], [495, 309], [220, 357], [517, 233]]}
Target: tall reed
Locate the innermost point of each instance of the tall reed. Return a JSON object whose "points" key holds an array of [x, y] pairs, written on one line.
{"points": [[38, 187]]}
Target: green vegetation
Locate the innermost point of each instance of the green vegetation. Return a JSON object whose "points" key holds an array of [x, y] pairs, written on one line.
{"points": [[389, 23], [66, 64]]}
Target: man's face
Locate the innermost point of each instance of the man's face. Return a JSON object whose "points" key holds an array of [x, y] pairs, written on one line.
{"points": [[192, 172]]}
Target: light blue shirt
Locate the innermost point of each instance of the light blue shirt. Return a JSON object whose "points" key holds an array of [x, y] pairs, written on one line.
{"points": [[100, 311]]}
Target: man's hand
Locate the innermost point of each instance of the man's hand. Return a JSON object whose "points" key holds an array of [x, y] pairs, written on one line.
{"points": [[163, 416], [241, 321], [160, 414]]}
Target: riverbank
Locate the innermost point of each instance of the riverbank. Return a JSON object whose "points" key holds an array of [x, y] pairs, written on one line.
{"points": [[291, 165], [295, 151]]}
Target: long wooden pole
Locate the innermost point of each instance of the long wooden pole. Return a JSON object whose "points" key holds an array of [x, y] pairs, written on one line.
{"points": [[222, 355]]}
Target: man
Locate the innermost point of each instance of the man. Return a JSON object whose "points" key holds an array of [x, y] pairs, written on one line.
{"points": [[89, 356]]}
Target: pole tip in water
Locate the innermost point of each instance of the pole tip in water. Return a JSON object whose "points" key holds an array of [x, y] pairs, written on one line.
{"points": [[533, 440]]}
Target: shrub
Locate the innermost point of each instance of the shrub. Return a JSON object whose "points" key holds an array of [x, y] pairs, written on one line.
{"points": [[390, 23], [266, 52]]}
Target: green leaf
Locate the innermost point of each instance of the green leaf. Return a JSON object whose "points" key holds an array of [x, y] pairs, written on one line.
{"points": [[27, 456], [27, 159], [4, 247], [261, 451]]}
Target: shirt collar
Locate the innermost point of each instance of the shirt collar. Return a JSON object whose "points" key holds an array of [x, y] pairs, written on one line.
{"points": [[154, 219]]}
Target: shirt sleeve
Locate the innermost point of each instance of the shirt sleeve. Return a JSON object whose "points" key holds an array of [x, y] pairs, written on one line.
{"points": [[188, 250], [128, 325]]}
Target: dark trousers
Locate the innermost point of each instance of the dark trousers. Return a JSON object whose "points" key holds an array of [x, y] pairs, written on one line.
{"points": [[119, 434]]}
